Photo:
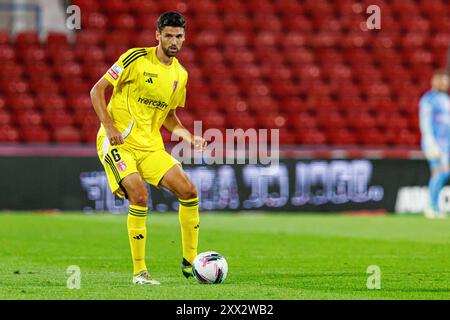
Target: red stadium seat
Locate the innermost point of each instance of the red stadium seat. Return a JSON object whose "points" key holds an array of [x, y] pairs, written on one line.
{"points": [[27, 39], [37, 69], [21, 102], [263, 6], [237, 21], [360, 121], [79, 103], [75, 87], [89, 37], [342, 137], [5, 118], [112, 53], [114, 7], [147, 39], [146, 7], [310, 137], [57, 40], [67, 71], [86, 118], [331, 121], [118, 38], [122, 22], [146, 21], [44, 87], [34, 134], [271, 121], [93, 73], [286, 137], [241, 120], [87, 5], [28, 118], [7, 53], [60, 55], [302, 121], [90, 55], [371, 137], [16, 87], [9, 133], [204, 7], [4, 38], [230, 6], [289, 7], [50, 102], [212, 119], [67, 134], [89, 134], [94, 20], [58, 118], [2, 102], [11, 71], [262, 105]]}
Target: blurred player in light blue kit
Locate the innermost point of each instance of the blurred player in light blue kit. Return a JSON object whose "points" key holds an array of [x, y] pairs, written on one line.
{"points": [[435, 127]]}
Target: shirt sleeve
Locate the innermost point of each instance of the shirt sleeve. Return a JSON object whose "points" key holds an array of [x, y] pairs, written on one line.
{"points": [[120, 70], [426, 120]]}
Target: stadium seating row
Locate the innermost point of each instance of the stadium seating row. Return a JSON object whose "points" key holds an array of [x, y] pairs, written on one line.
{"points": [[309, 68]]}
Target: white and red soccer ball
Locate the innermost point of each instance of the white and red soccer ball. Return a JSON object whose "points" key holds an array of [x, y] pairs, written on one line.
{"points": [[210, 267]]}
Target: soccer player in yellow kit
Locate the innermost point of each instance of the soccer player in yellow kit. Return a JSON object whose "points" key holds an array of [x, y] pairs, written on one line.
{"points": [[148, 85]]}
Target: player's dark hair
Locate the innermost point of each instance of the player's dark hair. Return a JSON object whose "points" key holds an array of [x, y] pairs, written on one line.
{"points": [[441, 72], [171, 19]]}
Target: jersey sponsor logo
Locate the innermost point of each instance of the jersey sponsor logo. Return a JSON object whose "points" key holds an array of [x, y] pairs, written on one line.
{"points": [[121, 166], [153, 103], [113, 75], [150, 76], [115, 71]]}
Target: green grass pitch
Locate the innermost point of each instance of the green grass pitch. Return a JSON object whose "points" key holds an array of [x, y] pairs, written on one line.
{"points": [[270, 256]]}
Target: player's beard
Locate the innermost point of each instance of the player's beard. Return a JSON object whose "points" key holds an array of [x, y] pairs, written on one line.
{"points": [[171, 53]]}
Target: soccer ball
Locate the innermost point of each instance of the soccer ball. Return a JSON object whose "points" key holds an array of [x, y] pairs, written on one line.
{"points": [[210, 267]]}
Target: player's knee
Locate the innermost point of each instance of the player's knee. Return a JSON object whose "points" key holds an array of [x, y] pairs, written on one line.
{"points": [[139, 198], [188, 192]]}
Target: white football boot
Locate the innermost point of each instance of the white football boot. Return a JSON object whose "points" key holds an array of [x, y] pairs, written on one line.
{"points": [[144, 277], [429, 213]]}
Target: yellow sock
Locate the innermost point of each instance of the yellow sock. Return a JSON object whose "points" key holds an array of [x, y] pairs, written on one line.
{"points": [[189, 220], [137, 234]]}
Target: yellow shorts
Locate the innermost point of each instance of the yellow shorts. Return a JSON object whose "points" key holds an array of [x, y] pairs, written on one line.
{"points": [[122, 160]]}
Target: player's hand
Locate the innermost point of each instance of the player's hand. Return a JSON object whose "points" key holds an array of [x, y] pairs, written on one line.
{"points": [[199, 143], [114, 136]]}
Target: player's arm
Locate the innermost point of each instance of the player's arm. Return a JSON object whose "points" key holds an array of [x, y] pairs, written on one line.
{"points": [[174, 125], [98, 92]]}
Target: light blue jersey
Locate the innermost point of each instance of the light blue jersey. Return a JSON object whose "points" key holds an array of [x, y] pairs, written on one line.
{"points": [[435, 121]]}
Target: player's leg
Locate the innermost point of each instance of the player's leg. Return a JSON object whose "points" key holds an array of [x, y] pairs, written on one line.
{"points": [[124, 180], [136, 225], [160, 169], [179, 183], [439, 176]]}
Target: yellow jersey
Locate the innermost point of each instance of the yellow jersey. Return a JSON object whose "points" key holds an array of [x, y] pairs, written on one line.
{"points": [[145, 90]]}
